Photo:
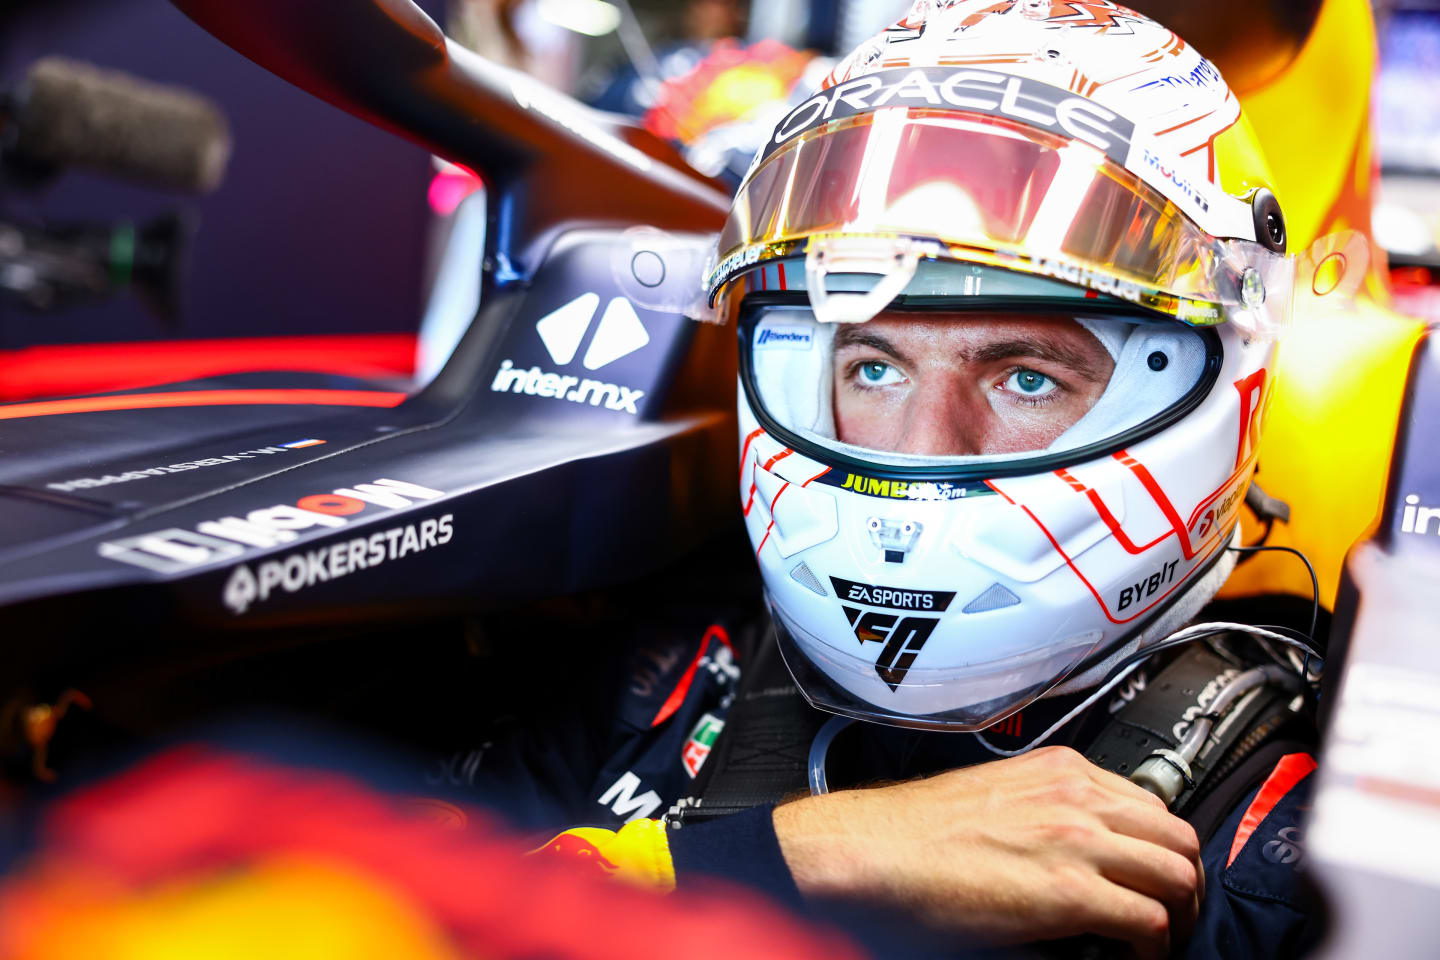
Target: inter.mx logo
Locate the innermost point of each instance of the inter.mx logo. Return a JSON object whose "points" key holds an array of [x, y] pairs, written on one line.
{"points": [[619, 333]]}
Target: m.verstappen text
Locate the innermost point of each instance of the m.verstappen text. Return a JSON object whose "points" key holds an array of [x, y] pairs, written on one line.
{"points": [[175, 550], [538, 383], [300, 570], [89, 483]]}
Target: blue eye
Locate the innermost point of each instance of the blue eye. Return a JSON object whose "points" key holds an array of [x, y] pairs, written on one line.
{"points": [[873, 373], [1029, 383]]}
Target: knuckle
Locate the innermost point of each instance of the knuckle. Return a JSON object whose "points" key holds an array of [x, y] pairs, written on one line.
{"points": [[1056, 757], [1078, 791], [1183, 877], [1064, 792], [1154, 920], [1188, 841]]}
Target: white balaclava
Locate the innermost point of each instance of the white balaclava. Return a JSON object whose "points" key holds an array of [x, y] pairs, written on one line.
{"points": [[1155, 365]]}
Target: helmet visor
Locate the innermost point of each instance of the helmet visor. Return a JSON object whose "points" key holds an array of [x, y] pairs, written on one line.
{"points": [[1001, 193], [953, 386]]}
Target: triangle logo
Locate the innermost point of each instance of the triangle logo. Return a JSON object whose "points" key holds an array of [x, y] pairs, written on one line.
{"points": [[562, 329], [620, 333]]}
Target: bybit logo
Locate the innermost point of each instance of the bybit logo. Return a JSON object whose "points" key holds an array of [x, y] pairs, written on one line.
{"points": [[619, 334], [1416, 519]]}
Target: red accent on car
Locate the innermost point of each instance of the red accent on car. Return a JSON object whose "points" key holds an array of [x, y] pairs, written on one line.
{"points": [[1292, 768], [202, 398], [64, 369]]}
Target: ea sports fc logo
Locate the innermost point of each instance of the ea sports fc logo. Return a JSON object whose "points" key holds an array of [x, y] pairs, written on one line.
{"points": [[618, 334]]}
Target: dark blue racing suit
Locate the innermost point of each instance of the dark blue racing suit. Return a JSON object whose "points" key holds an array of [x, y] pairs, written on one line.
{"points": [[635, 751]]}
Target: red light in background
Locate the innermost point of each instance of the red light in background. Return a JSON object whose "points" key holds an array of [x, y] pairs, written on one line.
{"points": [[449, 186]]}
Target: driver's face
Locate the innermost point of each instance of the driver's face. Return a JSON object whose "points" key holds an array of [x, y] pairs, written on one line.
{"points": [[943, 384]]}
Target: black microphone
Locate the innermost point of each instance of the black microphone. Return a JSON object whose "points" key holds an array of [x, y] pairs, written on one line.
{"points": [[68, 113]]}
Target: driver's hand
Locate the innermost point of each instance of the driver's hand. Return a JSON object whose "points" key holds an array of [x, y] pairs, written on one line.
{"points": [[1030, 848]]}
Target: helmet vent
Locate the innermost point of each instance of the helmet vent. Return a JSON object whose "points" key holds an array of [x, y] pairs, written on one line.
{"points": [[803, 576], [995, 598]]}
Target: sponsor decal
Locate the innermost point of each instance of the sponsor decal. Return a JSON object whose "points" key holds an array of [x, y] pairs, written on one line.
{"points": [[700, 742], [901, 489], [1010, 726], [540, 383], [572, 115], [894, 598], [622, 800], [1287, 847], [572, 847], [1202, 702], [783, 338], [1201, 76], [1133, 687], [903, 639], [1219, 512], [459, 769], [1147, 586], [175, 550], [1188, 188], [436, 812], [298, 571], [1200, 311], [1085, 277], [739, 260], [981, 91], [618, 334], [1418, 519], [90, 483]]}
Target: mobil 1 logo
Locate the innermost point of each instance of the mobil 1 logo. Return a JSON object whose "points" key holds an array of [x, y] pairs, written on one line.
{"points": [[902, 636]]}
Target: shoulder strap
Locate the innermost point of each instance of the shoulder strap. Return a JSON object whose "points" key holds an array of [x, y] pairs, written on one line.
{"points": [[763, 753], [1159, 713]]}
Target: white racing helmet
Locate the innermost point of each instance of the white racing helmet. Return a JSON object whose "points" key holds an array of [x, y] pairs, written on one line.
{"points": [[1008, 290]]}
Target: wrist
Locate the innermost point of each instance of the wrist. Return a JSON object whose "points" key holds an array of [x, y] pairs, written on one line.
{"points": [[817, 839]]}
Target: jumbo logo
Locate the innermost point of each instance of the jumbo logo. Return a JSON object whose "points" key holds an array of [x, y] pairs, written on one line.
{"points": [[176, 550], [902, 490]]}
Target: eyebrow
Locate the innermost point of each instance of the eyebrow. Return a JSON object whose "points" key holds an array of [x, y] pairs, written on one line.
{"points": [[1072, 360], [854, 336]]}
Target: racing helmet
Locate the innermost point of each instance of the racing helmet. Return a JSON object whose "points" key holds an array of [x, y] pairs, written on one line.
{"points": [[1008, 290]]}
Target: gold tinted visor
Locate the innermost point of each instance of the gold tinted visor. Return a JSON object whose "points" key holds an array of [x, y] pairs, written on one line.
{"points": [[996, 192]]}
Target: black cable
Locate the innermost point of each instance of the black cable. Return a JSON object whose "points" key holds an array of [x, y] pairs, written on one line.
{"points": [[1172, 643], [1249, 548], [1314, 580]]}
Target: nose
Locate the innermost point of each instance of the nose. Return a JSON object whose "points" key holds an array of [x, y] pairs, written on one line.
{"points": [[941, 418]]}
